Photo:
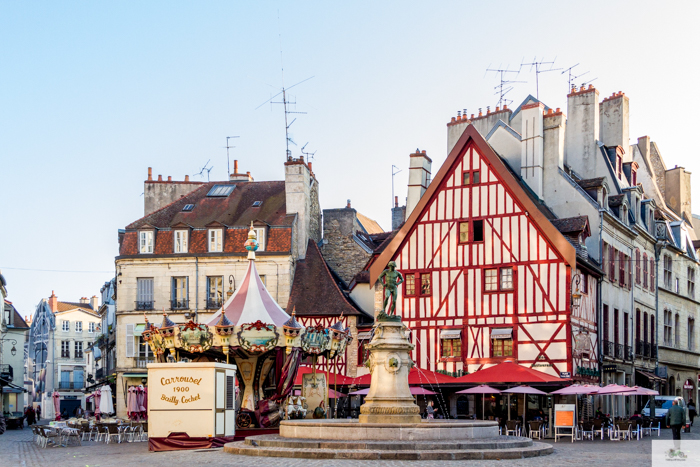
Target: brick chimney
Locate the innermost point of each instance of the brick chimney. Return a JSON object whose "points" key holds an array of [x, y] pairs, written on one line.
{"points": [[418, 178], [239, 177], [398, 214], [53, 302]]}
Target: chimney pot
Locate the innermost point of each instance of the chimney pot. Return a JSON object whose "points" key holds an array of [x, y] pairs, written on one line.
{"points": [[396, 201], [472, 116], [348, 206], [187, 178], [150, 173], [160, 178], [558, 109], [423, 151], [235, 166], [248, 173], [170, 178], [498, 109], [550, 111], [590, 86], [301, 158], [453, 120], [310, 167], [459, 113], [505, 107], [488, 109]]}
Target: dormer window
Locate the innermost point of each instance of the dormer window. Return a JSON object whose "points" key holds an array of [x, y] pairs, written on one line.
{"points": [[215, 241], [180, 241], [618, 166], [633, 176], [146, 241], [260, 234]]}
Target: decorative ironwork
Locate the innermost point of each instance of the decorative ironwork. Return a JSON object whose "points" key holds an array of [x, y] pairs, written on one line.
{"points": [[182, 304], [608, 349], [619, 349], [145, 305], [214, 303], [628, 353]]}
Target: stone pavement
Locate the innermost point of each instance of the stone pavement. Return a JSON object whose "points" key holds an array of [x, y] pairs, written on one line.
{"points": [[18, 449]]}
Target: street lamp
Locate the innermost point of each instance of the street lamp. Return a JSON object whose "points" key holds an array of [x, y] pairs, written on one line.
{"points": [[576, 292]]}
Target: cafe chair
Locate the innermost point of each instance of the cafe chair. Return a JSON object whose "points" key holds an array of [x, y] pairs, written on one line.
{"points": [[512, 427]]}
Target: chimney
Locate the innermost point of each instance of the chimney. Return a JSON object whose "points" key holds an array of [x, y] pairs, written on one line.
{"points": [[396, 201], [532, 147], [239, 177], [554, 135], [94, 302], [84, 300], [583, 132], [615, 122], [235, 166], [187, 178], [398, 214], [301, 191], [170, 178], [53, 302], [150, 174], [677, 192], [160, 178], [418, 178], [348, 206], [644, 146]]}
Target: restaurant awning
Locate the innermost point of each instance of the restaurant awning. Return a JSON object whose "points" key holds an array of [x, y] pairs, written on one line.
{"points": [[135, 375], [138, 329], [649, 376], [501, 333], [509, 372], [451, 334]]}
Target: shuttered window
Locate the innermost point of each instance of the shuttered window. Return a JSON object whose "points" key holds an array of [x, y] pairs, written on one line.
{"points": [[230, 393], [129, 344]]}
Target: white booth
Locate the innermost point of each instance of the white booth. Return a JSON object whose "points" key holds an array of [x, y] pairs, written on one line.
{"points": [[195, 398]]}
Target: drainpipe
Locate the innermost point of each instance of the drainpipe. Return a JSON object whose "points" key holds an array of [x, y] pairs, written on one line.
{"points": [[632, 328], [196, 289], [600, 298]]}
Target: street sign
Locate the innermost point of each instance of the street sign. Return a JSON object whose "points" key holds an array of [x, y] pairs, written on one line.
{"points": [[565, 374]]}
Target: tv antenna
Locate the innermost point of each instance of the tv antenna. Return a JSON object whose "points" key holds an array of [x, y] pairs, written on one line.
{"points": [[394, 171], [573, 77], [504, 87], [228, 161], [309, 155], [537, 65], [204, 169]]}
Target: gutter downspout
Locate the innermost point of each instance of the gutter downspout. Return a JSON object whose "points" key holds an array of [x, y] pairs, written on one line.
{"points": [[600, 299], [196, 289]]}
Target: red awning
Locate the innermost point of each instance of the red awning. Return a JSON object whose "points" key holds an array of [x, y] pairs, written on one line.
{"points": [[342, 380], [415, 377], [509, 372]]}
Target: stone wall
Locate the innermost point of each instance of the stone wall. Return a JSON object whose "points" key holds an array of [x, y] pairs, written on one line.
{"points": [[158, 194], [340, 250]]}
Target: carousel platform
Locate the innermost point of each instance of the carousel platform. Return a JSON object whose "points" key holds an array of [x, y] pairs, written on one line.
{"points": [[501, 447]]}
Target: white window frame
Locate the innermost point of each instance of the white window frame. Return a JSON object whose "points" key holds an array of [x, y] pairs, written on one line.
{"points": [[260, 234], [145, 241], [78, 326], [91, 328], [65, 325], [78, 345], [214, 236], [180, 241]]}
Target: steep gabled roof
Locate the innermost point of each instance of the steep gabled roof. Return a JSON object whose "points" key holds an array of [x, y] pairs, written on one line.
{"points": [[469, 137], [572, 225], [315, 291]]}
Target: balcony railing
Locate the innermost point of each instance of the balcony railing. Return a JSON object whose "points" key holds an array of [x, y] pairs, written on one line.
{"points": [[608, 349], [629, 356], [65, 354], [214, 303], [639, 348], [141, 362], [145, 305], [619, 349], [179, 304], [70, 385]]}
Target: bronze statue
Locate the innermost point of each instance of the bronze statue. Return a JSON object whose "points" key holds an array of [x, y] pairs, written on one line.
{"points": [[391, 279]]}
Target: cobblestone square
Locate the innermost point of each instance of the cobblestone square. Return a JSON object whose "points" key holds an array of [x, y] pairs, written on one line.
{"points": [[18, 449]]}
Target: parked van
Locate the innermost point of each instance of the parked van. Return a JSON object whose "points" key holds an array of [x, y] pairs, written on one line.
{"points": [[662, 404]]}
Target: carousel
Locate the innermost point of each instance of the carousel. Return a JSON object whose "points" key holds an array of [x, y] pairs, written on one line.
{"points": [[266, 344]]}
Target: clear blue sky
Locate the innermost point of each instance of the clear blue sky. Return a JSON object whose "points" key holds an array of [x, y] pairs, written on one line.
{"points": [[93, 93]]}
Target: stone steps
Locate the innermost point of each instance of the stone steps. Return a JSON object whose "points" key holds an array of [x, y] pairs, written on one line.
{"points": [[496, 448]]}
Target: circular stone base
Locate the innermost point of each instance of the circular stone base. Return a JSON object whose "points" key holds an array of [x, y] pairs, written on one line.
{"points": [[501, 447], [352, 430]]}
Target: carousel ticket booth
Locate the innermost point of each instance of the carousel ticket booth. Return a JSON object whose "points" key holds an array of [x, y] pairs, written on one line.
{"points": [[197, 398]]}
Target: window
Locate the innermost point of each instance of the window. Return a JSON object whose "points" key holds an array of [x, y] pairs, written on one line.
{"points": [[471, 178], [652, 275], [652, 336], [491, 280], [91, 328], [78, 348], [463, 232], [506, 278], [638, 267], [257, 204], [78, 326], [188, 207], [65, 349], [144, 293], [646, 327], [425, 288], [634, 176], [626, 330], [181, 241], [622, 263], [478, 228], [618, 166], [65, 326], [668, 329], [677, 286], [215, 292], [144, 349], [612, 253], [691, 334], [638, 326], [146, 241], [645, 272], [221, 190], [263, 279], [215, 240], [691, 282], [451, 348], [668, 272], [260, 234], [676, 329], [410, 284], [179, 293], [616, 325], [502, 347]]}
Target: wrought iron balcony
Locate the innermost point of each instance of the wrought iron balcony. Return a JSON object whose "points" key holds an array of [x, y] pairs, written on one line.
{"points": [[70, 385], [145, 305], [629, 356], [608, 349], [639, 348], [214, 303], [619, 349], [179, 304]]}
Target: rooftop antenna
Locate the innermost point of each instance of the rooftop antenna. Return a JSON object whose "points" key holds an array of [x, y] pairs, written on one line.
{"points": [[285, 101], [201, 172], [573, 77], [503, 88], [394, 171], [309, 155], [538, 69], [228, 161]]}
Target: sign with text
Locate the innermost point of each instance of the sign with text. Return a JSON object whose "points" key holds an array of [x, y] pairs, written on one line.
{"points": [[564, 415], [183, 388]]}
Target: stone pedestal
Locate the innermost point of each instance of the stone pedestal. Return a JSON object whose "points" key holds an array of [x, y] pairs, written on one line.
{"points": [[389, 399]]}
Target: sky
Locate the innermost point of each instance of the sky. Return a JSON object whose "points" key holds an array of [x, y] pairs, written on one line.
{"points": [[94, 93]]}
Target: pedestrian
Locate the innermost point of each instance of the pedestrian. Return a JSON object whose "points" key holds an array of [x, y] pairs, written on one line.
{"points": [[675, 418], [599, 413], [30, 416], [691, 411], [430, 410], [38, 412]]}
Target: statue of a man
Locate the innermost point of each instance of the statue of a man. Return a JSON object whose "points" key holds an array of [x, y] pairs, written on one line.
{"points": [[391, 279]]}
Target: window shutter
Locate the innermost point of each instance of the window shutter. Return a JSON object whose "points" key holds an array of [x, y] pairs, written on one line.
{"points": [[230, 391], [129, 336]]}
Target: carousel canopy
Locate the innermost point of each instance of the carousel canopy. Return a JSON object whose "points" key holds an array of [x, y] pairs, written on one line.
{"points": [[251, 303]]}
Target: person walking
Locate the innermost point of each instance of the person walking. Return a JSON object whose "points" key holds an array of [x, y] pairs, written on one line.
{"points": [[38, 412], [675, 418], [30, 416], [691, 411], [430, 410]]}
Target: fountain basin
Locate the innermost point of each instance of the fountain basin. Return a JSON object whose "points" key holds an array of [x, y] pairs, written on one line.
{"points": [[352, 430]]}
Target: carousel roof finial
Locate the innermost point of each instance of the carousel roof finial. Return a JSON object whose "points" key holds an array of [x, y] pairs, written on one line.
{"points": [[167, 322], [252, 243], [338, 326], [292, 323]]}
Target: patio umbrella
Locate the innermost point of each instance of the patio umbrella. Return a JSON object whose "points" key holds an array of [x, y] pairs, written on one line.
{"points": [[106, 406], [640, 391], [333, 394], [130, 402], [361, 392], [57, 405], [481, 389], [613, 390], [98, 395], [524, 390], [577, 389], [415, 390], [144, 402]]}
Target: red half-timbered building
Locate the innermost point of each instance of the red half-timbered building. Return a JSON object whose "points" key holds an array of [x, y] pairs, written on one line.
{"points": [[487, 275]]}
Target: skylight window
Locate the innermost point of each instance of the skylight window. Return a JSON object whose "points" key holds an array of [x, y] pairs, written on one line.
{"points": [[188, 207], [221, 190], [257, 204]]}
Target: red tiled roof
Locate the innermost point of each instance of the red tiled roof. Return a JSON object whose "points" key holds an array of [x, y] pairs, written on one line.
{"points": [[65, 306], [508, 372], [315, 292]]}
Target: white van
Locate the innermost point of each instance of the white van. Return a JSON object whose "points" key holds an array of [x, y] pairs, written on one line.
{"points": [[662, 404]]}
